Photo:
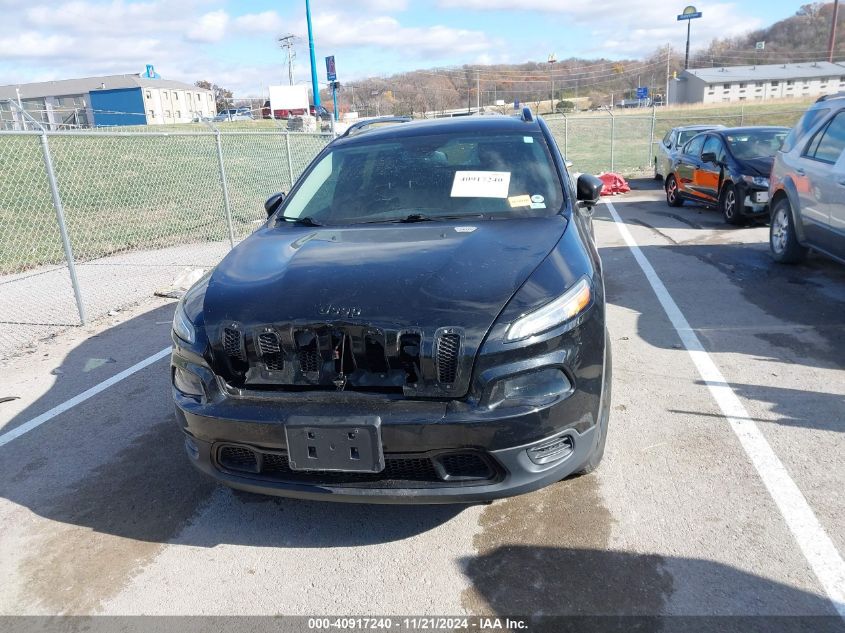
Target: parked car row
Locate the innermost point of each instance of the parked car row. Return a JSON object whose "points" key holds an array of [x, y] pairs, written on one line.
{"points": [[795, 179]]}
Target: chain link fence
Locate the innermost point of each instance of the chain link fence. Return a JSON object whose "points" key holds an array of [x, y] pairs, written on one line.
{"points": [[137, 210], [93, 221], [625, 142]]}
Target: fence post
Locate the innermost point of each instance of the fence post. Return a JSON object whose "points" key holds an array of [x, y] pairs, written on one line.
{"points": [[741, 116], [290, 161], [223, 182], [565, 137], [612, 138], [651, 138], [60, 218]]}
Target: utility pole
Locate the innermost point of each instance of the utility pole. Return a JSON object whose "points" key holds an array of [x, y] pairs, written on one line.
{"points": [[477, 91], [668, 60], [831, 42], [315, 87], [286, 42]]}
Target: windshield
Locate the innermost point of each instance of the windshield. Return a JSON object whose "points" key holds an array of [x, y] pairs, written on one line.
{"points": [[685, 135], [756, 143], [500, 175]]}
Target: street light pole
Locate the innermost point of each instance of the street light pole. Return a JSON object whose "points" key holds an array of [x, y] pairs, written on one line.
{"points": [[314, 85], [831, 42]]}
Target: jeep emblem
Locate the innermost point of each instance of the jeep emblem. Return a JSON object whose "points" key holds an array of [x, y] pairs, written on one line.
{"points": [[339, 311]]}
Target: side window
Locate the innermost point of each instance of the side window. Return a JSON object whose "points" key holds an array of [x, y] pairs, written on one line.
{"points": [[828, 143], [714, 144], [667, 140], [693, 148]]}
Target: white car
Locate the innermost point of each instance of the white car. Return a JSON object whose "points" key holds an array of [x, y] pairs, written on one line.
{"points": [[673, 141], [234, 114]]}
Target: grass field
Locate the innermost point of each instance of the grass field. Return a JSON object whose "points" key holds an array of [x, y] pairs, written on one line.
{"points": [[586, 136], [161, 186], [137, 191]]}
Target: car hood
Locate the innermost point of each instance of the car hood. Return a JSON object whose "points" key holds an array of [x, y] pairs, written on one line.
{"points": [[391, 277], [760, 166]]}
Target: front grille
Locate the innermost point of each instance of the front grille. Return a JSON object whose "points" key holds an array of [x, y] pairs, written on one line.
{"points": [[400, 471], [238, 458], [448, 347], [232, 343], [309, 361], [466, 465], [271, 351]]}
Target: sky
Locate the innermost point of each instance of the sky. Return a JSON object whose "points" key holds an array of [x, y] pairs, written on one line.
{"points": [[234, 44]]}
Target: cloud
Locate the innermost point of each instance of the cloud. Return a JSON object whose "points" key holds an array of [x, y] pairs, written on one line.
{"points": [[264, 22], [626, 27], [336, 29], [211, 27]]}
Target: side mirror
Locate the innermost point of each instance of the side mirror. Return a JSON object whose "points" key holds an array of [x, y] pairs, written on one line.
{"points": [[274, 202], [588, 190], [709, 157]]}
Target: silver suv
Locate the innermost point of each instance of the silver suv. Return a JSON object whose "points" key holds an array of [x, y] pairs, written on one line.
{"points": [[807, 186]]}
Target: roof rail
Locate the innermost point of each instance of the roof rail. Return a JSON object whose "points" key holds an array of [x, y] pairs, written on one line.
{"points": [[833, 96], [363, 126], [526, 114]]}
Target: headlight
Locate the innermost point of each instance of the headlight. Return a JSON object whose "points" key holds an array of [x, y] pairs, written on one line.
{"points": [[182, 325], [568, 305], [760, 181]]}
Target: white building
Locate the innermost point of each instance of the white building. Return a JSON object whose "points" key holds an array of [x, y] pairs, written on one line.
{"points": [[132, 99], [725, 84]]}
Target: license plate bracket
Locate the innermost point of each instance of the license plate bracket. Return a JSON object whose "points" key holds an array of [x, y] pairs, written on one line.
{"points": [[337, 444]]}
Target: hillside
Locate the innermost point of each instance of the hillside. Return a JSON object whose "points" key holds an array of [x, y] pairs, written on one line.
{"points": [[801, 37]]}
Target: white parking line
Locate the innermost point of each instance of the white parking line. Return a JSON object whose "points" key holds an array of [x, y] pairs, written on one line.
{"points": [[26, 427], [814, 542]]}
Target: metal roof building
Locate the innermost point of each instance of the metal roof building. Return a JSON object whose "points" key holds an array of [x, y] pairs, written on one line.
{"points": [[131, 99], [757, 83]]}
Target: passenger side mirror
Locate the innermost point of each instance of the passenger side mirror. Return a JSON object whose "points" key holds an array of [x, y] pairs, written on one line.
{"points": [[709, 157], [274, 202], [588, 190]]}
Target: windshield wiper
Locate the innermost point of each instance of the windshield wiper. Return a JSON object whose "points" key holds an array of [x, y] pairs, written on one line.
{"points": [[304, 221], [422, 217]]}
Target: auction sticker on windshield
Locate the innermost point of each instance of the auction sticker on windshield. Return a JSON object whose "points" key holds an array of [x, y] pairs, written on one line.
{"points": [[481, 184]]}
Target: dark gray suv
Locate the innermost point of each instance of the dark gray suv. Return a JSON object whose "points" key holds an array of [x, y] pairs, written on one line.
{"points": [[807, 185]]}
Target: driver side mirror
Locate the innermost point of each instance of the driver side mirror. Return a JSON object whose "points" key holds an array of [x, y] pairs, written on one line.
{"points": [[709, 157], [274, 202], [588, 190]]}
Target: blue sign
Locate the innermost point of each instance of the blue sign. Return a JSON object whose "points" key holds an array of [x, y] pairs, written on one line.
{"points": [[642, 93], [689, 16], [331, 71], [516, 104]]}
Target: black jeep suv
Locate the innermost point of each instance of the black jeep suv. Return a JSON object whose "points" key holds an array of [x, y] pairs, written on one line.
{"points": [[421, 320]]}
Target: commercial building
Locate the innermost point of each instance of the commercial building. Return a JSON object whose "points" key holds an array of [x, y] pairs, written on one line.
{"points": [[133, 99], [724, 84]]}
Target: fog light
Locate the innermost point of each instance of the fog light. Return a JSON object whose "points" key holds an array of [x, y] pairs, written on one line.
{"points": [[187, 382], [552, 451], [535, 388]]}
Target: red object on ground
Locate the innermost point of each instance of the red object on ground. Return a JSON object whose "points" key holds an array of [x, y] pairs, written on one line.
{"points": [[613, 184]]}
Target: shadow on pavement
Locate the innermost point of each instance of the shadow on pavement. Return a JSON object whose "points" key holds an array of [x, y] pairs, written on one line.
{"points": [[549, 581], [116, 465]]}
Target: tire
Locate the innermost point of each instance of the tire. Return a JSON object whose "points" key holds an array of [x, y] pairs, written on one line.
{"points": [[783, 242], [673, 198], [657, 176], [729, 205], [595, 457]]}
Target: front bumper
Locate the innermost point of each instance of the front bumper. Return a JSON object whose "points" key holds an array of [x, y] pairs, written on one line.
{"points": [[755, 199], [506, 441]]}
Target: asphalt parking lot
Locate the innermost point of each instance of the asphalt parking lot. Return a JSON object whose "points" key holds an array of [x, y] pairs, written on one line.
{"points": [[101, 512]]}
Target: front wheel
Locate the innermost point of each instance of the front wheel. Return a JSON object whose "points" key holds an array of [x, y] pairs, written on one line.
{"points": [[729, 206], [783, 242], [673, 197]]}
